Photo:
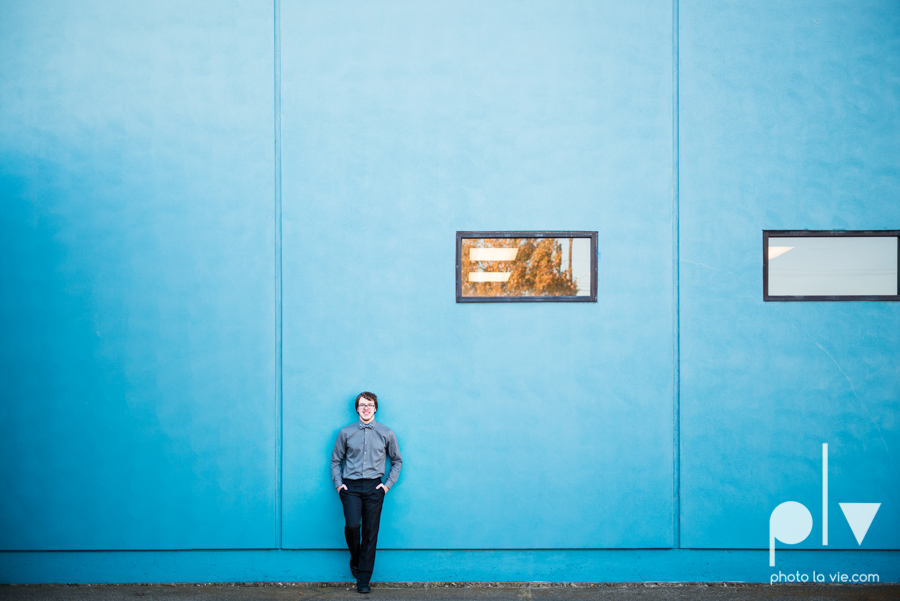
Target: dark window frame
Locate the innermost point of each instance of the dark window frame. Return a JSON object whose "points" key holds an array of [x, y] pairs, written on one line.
{"points": [[527, 299], [826, 234]]}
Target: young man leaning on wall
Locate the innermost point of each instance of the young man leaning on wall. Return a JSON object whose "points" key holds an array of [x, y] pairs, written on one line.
{"points": [[357, 466]]}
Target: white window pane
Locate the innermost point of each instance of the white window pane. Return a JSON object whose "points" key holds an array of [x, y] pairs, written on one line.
{"points": [[833, 266]]}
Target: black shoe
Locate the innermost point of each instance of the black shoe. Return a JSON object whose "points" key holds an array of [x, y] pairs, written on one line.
{"points": [[353, 570], [362, 587]]}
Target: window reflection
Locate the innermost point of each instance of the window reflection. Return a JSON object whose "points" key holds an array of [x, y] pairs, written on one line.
{"points": [[525, 267], [832, 266]]}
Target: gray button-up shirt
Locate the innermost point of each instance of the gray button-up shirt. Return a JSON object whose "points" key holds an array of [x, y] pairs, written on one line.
{"points": [[362, 448]]}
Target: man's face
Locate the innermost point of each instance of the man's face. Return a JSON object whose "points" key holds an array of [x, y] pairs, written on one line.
{"points": [[366, 410]]}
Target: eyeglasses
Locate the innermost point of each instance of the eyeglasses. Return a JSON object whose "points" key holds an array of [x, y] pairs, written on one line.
{"points": [[361, 406]]}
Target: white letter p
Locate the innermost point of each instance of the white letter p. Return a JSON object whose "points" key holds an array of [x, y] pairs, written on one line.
{"points": [[790, 523]]}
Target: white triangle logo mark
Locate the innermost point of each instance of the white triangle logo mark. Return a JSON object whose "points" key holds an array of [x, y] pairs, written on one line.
{"points": [[859, 516]]}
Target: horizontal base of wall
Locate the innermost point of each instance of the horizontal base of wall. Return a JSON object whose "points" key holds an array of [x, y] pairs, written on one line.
{"points": [[673, 565]]}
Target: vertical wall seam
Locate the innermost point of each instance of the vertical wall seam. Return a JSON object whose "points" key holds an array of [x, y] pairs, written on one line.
{"points": [[279, 381], [676, 288]]}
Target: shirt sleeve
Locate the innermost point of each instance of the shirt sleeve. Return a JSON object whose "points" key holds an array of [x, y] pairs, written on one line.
{"points": [[393, 450], [337, 457]]}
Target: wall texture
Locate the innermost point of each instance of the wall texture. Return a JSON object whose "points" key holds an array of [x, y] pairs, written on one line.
{"points": [[137, 243], [221, 221], [522, 426], [789, 120]]}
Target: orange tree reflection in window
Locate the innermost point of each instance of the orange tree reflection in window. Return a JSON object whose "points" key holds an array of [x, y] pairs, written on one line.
{"points": [[536, 270]]}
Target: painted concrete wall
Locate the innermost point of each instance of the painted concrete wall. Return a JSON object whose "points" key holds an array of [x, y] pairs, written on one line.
{"points": [[521, 426], [222, 221], [789, 120], [138, 328]]}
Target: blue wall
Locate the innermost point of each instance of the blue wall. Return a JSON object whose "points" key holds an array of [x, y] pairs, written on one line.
{"points": [[138, 307], [790, 119], [214, 236], [521, 426]]}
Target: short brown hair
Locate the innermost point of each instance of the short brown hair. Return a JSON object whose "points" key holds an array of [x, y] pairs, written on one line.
{"points": [[371, 396]]}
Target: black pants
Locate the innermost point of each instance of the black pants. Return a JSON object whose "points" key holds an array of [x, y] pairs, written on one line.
{"points": [[362, 503]]}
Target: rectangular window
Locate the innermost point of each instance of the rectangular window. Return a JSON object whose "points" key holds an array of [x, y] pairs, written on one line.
{"points": [[526, 267], [809, 265]]}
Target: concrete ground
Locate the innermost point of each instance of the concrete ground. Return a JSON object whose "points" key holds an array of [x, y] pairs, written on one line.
{"points": [[449, 592]]}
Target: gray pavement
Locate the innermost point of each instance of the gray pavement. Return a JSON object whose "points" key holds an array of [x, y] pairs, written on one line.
{"points": [[449, 592]]}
